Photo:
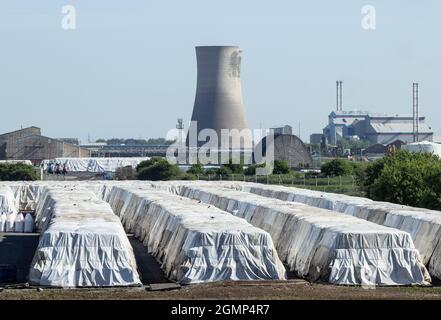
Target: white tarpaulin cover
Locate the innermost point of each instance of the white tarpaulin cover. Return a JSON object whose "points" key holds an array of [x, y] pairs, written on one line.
{"points": [[83, 243], [322, 244], [95, 164], [195, 242], [423, 225], [8, 201], [28, 162]]}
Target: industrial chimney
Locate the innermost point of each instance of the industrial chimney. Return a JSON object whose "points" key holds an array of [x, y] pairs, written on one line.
{"points": [[218, 104]]}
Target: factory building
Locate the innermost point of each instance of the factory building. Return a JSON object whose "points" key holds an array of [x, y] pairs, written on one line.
{"points": [[375, 128], [29, 144]]}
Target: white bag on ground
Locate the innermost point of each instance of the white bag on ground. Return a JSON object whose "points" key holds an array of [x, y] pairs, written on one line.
{"points": [[28, 223], [10, 222], [3, 219], [19, 223]]}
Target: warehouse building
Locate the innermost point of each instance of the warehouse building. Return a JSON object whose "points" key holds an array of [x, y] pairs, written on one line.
{"points": [[29, 144], [375, 128]]}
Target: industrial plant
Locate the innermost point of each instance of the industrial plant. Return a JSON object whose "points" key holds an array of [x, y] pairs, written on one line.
{"points": [[202, 232]]}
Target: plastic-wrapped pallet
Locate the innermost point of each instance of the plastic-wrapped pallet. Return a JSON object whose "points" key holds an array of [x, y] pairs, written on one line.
{"points": [[194, 242], [322, 244], [83, 243], [423, 225]]}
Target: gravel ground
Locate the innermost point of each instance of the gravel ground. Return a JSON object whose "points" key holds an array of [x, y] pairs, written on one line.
{"points": [[293, 289]]}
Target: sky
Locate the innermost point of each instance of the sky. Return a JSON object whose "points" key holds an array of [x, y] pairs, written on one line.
{"points": [[129, 67]]}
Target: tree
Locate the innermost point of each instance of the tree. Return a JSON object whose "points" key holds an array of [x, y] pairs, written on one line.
{"points": [[158, 169], [196, 169], [147, 163], [336, 167], [281, 167], [232, 168], [251, 169], [412, 179], [17, 172]]}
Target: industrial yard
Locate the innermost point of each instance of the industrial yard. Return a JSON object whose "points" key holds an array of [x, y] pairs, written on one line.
{"points": [[196, 239]]}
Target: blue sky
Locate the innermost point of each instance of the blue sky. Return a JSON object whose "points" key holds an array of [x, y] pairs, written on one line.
{"points": [[129, 70]]}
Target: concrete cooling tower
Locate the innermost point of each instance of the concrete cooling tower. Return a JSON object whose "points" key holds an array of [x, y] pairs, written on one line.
{"points": [[218, 103]]}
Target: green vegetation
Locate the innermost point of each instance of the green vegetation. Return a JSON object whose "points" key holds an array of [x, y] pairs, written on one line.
{"points": [[337, 167], [157, 168], [406, 178], [196, 169], [17, 172], [281, 167]]}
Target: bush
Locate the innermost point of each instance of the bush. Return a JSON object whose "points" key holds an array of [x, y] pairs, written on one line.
{"points": [[211, 171], [158, 169], [281, 167], [336, 167], [405, 178], [224, 171], [148, 163], [231, 168], [196, 169], [251, 169], [17, 172]]}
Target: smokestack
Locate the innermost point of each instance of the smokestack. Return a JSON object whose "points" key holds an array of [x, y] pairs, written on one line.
{"points": [[416, 117], [339, 95], [218, 102]]}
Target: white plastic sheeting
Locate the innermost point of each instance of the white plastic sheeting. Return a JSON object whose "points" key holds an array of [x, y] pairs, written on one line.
{"points": [[423, 225], [322, 244], [28, 223], [8, 201], [423, 147], [83, 243], [195, 242], [3, 219], [28, 162], [95, 164]]}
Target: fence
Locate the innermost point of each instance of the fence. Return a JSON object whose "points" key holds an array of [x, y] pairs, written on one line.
{"points": [[339, 184]]}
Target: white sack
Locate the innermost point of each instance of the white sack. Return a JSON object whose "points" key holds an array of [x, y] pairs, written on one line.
{"points": [[10, 223], [19, 223], [3, 219], [28, 223]]}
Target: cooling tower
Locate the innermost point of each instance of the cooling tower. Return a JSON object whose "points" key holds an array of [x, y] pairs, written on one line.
{"points": [[218, 104]]}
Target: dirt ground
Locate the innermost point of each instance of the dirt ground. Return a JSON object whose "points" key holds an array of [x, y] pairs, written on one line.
{"points": [[292, 289]]}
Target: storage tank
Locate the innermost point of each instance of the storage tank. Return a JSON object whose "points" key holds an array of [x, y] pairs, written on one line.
{"points": [[424, 147]]}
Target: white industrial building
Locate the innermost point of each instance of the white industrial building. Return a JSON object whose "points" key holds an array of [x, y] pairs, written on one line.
{"points": [[376, 128]]}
